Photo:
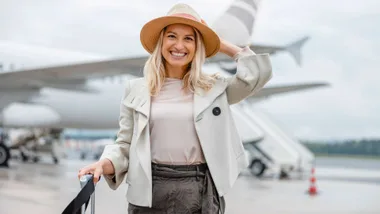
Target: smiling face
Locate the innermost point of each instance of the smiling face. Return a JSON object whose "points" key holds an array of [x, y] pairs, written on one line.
{"points": [[178, 46]]}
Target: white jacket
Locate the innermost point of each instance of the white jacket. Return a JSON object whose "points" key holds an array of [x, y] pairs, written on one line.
{"points": [[218, 136]]}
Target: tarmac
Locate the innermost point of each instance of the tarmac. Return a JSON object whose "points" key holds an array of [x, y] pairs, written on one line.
{"points": [[47, 188]]}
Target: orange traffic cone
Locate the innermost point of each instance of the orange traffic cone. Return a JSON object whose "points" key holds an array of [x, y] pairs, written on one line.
{"points": [[312, 189]]}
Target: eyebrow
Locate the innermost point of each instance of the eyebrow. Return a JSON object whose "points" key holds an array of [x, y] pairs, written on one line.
{"points": [[176, 33]]}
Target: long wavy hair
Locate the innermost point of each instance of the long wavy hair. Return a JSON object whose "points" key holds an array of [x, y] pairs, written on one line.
{"points": [[154, 69]]}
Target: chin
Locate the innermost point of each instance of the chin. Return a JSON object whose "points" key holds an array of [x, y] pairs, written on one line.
{"points": [[177, 64]]}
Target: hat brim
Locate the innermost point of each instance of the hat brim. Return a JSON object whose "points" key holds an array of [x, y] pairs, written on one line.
{"points": [[151, 31]]}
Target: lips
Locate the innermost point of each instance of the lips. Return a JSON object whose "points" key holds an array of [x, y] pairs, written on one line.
{"points": [[177, 54]]}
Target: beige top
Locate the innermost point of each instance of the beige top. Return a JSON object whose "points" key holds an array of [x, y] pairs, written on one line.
{"points": [[172, 130]]}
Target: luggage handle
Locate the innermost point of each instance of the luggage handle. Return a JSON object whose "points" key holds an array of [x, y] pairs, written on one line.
{"points": [[79, 204], [84, 180]]}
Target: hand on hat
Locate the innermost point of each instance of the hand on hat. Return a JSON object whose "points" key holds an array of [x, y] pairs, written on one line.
{"points": [[228, 48]]}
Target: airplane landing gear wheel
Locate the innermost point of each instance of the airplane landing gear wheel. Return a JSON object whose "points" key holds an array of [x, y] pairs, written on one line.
{"points": [[4, 155], [257, 168], [284, 175], [55, 160], [36, 159], [24, 157]]}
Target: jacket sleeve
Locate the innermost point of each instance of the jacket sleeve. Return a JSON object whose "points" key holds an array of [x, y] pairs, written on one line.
{"points": [[118, 153], [253, 72]]}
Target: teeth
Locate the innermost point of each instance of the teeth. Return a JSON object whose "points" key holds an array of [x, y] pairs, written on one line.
{"points": [[178, 54]]}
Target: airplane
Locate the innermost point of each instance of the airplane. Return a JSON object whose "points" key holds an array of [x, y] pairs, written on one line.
{"points": [[56, 89]]}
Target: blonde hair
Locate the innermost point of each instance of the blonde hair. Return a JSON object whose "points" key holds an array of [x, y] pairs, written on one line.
{"points": [[154, 69]]}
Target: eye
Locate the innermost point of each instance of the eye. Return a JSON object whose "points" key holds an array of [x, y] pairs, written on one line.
{"points": [[189, 38], [171, 36]]}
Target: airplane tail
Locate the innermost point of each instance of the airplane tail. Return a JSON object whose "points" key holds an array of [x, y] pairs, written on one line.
{"points": [[237, 22], [295, 49]]}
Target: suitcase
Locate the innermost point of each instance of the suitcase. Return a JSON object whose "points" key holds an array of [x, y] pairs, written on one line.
{"points": [[87, 194]]}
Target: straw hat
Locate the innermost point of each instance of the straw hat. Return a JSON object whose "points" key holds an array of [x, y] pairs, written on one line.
{"points": [[179, 14]]}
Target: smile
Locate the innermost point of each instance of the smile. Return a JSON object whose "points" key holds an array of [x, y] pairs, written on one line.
{"points": [[177, 54]]}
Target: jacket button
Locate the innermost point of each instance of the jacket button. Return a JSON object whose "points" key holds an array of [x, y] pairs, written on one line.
{"points": [[216, 111]]}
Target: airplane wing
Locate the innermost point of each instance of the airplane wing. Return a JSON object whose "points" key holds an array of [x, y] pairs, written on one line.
{"points": [[73, 74], [275, 90]]}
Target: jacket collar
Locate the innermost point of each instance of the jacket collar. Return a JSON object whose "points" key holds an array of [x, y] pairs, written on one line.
{"points": [[140, 100], [138, 97]]}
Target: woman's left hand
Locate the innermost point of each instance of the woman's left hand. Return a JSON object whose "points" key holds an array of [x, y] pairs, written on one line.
{"points": [[228, 48]]}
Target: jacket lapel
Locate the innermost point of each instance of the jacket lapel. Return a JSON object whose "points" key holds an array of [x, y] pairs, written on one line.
{"points": [[143, 107], [144, 103], [139, 99]]}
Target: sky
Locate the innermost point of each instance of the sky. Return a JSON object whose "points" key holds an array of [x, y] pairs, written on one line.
{"points": [[341, 51]]}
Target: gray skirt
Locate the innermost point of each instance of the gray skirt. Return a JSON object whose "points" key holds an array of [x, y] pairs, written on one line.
{"points": [[184, 189]]}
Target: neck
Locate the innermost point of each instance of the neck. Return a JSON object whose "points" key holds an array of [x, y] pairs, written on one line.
{"points": [[175, 72]]}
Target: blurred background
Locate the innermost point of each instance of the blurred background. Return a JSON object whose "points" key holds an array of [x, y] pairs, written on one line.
{"points": [[312, 131]]}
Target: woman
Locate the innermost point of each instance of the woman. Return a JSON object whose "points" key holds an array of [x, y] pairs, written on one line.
{"points": [[177, 142]]}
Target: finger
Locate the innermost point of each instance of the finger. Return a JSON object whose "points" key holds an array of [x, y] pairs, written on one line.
{"points": [[97, 173], [84, 171], [80, 173]]}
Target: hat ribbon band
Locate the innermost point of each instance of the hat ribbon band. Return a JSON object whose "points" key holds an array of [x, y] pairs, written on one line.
{"points": [[185, 15]]}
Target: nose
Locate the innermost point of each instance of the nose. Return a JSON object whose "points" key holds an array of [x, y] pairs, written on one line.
{"points": [[179, 45]]}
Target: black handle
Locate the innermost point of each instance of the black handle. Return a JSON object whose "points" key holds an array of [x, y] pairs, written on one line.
{"points": [[83, 197]]}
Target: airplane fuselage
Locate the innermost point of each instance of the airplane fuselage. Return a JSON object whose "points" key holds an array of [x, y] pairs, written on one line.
{"points": [[68, 109]]}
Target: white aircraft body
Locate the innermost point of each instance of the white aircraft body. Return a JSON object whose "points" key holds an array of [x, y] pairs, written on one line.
{"points": [[49, 88]]}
